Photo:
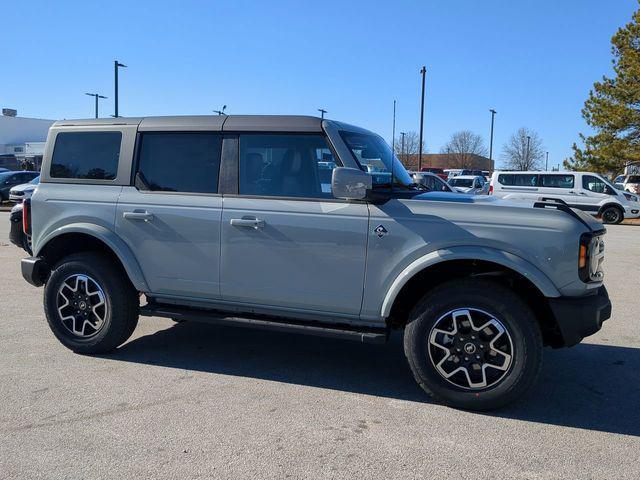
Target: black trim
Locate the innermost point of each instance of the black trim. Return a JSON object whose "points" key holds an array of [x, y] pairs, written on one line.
{"points": [[229, 165], [347, 332], [579, 317], [34, 270]]}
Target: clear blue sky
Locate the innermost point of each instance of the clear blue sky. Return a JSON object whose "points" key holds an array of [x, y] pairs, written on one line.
{"points": [[533, 61]]}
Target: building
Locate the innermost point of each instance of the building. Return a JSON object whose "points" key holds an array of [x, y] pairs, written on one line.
{"points": [[22, 140], [448, 160]]}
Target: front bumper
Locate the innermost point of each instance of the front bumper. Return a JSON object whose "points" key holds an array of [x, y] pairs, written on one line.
{"points": [[34, 270], [579, 317]]}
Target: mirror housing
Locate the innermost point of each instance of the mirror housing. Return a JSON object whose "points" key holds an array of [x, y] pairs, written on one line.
{"points": [[350, 183]]}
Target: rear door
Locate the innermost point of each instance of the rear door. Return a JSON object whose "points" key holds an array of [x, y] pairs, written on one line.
{"points": [[561, 186], [287, 244], [170, 218]]}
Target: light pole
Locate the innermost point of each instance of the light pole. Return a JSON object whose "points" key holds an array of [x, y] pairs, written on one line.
{"points": [[493, 114], [116, 65], [221, 112], [423, 71], [546, 163], [96, 96], [402, 134], [528, 142], [322, 112]]}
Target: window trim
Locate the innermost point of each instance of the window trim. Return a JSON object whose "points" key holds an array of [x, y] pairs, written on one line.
{"points": [[338, 162], [136, 161]]}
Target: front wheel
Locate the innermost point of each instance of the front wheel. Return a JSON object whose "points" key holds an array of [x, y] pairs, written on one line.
{"points": [[612, 215], [91, 306], [473, 344]]}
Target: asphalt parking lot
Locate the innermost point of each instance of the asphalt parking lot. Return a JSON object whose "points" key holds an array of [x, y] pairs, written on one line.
{"points": [[197, 401]]}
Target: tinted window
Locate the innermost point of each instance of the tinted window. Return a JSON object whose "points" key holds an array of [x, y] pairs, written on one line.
{"points": [[557, 181], [633, 179], [518, 179], [89, 155], [179, 162], [594, 184], [286, 166]]}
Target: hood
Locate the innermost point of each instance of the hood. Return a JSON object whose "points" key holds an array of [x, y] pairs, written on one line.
{"points": [[491, 201], [25, 187], [463, 189]]}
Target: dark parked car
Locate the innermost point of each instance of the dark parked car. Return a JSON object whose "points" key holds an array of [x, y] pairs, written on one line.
{"points": [[11, 179], [16, 233]]}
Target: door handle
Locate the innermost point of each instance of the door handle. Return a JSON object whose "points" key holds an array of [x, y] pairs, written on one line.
{"points": [[247, 222], [138, 215]]}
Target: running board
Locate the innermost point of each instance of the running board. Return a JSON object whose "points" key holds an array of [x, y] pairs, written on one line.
{"points": [[376, 336]]}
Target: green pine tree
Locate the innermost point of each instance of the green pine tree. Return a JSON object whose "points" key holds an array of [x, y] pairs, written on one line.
{"points": [[613, 110]]}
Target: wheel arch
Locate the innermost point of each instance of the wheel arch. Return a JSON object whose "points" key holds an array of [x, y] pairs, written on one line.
{"points": [[81, 237], [611, 204], [436, 268]]}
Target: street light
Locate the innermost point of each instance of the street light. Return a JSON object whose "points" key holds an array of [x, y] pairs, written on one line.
{"points": [[96, 96], [528, 142], [402, 134], [116, 65], [322, 112], [493, 114], [546, 163], [221, 112], [423, 71]]}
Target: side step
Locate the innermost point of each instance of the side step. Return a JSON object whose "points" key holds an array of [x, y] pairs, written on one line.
{"points": [[376, 336]]}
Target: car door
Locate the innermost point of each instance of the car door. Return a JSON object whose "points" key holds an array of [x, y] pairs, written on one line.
{"points": [[287, 244], [593, 194], [560, 186], [170, 217]]}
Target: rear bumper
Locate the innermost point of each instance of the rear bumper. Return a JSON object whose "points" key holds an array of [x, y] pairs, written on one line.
{"points": [[34, 270], [579, 317]]}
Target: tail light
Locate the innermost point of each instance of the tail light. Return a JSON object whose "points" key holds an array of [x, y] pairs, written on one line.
{"points": [[26, 216], [490, 189]]}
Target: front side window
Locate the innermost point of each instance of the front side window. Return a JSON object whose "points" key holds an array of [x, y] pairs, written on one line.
{"points": [[179, 162], [594, 184], [285, 165], [86, 155], [557, 181]]}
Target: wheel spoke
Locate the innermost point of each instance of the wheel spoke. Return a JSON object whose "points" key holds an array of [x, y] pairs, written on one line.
{"points": [[82, 305]]}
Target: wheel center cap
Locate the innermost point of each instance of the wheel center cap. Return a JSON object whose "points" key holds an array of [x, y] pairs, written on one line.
{"points": [[82, 305], [469, 348]]}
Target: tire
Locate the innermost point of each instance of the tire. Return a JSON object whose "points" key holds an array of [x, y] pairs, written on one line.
{"points": [[103, 295], [612, 215], [475, 302]]}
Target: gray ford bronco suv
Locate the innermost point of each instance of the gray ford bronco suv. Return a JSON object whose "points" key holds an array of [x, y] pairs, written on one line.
{"points": [[308, 225]]}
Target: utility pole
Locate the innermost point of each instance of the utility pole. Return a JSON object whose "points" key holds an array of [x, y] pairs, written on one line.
{"points": [[528, 142], [96, 96], [116, 65], [402, 134], [546, 163], [423, 71], [493, 114], [322, 112]]}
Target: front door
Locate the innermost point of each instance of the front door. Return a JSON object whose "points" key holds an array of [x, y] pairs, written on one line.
{"points": [[171, 217], [593, 193], [287, 244]]}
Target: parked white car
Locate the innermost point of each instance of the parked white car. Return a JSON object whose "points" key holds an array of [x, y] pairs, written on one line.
{"points": [[628, 183], [21, 192], [432, 181], [586, 191], [472, 184]]}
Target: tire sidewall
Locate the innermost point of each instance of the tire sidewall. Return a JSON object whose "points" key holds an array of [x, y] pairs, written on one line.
{"points": [[520, 325], [617, 210]]}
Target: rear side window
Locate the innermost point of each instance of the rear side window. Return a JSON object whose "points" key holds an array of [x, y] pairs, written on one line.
{"points": [[179, 162], [557, 181], [286, 166], [518, 179], [86, 155], [634, 179]]}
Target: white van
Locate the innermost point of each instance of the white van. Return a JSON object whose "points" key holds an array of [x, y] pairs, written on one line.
{"points": [[586, 191]]}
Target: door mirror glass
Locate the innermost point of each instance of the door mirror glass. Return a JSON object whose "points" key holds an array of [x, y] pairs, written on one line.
{"points": [[350, 183]]}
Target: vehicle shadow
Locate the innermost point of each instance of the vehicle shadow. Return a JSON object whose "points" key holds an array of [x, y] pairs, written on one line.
{"points": [[594, 387]]}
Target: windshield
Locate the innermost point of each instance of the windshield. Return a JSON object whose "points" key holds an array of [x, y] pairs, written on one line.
{"points": [[35, 181], [461, 182], [375, 157]]}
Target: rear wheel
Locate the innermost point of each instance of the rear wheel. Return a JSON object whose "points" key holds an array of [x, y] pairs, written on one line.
{"points": [[91, 306], [612, 215], [473, 344]]}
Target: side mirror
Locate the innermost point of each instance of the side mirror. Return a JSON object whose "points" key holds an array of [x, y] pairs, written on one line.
{"points": [[350, 183]]}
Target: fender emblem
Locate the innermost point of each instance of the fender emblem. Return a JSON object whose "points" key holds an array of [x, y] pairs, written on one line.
{"points": [[380, 231]]}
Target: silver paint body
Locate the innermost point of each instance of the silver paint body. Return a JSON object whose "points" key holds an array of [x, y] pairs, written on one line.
{"points": [[309, 258]]}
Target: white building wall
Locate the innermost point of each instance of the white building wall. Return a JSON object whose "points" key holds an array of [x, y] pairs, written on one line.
{"points": [[16, 130]]}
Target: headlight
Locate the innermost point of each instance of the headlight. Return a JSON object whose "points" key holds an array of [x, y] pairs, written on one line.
{"points": [[591, 258]]}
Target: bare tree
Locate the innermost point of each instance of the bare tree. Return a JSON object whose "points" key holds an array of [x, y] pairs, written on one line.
{"points": [[463, 145], [411, 145], [523, 151]]}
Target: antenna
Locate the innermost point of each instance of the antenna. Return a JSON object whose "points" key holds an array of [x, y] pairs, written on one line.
{"points": [[393, 143]]}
